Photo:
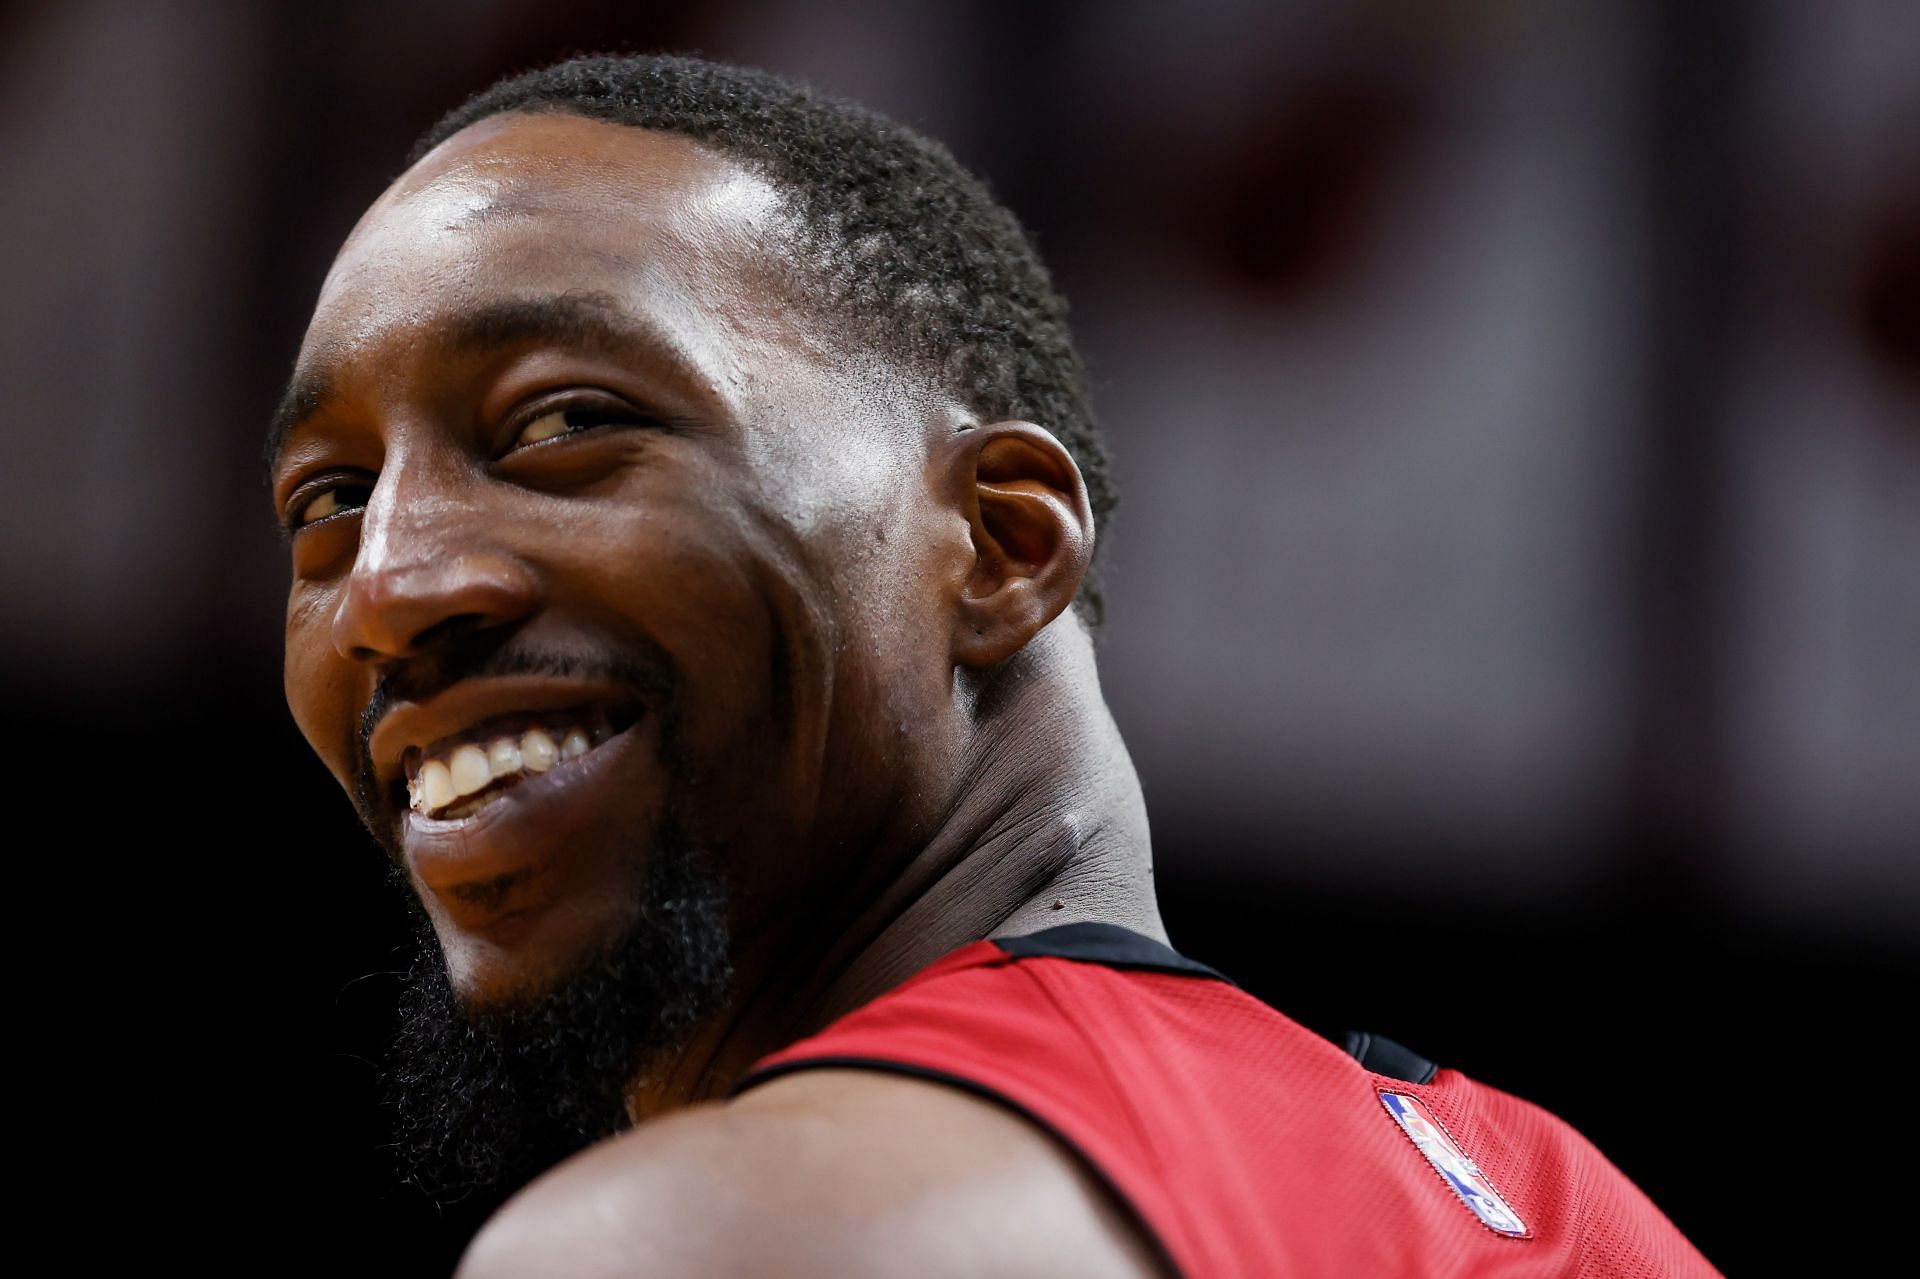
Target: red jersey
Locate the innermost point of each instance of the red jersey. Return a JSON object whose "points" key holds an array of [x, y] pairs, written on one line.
{"points": [[1245, 1144]]}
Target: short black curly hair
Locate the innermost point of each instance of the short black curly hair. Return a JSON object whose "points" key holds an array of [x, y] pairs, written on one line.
{"points": [[916, 257]]}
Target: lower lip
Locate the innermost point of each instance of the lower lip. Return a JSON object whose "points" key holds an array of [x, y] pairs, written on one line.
{"points": [[521, 830]]}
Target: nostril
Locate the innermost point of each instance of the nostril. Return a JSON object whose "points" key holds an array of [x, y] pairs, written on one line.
{"points": [[450, 630], [446, 633]]}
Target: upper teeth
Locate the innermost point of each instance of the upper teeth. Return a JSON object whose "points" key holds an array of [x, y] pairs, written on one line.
{"points": [[470, 767]]}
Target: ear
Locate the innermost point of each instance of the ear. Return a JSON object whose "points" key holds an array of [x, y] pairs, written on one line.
{"points": [[1032, 537]]}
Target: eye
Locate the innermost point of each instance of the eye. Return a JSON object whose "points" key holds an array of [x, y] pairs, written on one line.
{"points": [[553, 423], [321, 504]]}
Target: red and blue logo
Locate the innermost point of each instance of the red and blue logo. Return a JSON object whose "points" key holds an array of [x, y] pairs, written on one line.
{"points": [[1459, 1172]]}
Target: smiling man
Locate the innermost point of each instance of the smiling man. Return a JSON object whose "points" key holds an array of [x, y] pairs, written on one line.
{"points": [[691, 491]]}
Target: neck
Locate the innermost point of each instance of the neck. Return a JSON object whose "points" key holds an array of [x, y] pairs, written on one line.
{"points": [[1046, 827]]}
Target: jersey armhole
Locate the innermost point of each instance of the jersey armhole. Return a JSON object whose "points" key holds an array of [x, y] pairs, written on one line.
{"points": [[974, 1088]]}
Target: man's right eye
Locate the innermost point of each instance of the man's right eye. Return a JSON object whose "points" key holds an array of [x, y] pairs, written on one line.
{"points": [[325, 503]]}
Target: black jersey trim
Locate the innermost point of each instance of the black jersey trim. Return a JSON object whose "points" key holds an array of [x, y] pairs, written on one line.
{"points": [[974, 1087], [1384, 1057], [1107, 944]]}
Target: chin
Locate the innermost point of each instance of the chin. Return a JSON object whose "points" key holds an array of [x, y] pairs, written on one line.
{"points": [[521, 960]]}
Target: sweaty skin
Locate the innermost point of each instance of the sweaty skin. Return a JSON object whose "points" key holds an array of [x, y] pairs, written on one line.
{"points": [[830, 610]]}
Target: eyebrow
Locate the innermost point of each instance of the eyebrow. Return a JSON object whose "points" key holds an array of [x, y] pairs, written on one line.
{"points": [[585, 321]]}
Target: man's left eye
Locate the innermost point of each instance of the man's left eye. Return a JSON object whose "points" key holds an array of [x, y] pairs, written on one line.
{"points": [[565, 421]]}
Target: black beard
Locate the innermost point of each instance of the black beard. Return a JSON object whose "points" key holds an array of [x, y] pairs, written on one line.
{"points": [[488, 1099]]}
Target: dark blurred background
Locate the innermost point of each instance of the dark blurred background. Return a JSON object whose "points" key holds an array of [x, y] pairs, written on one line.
{"points": [[1514, 597]]}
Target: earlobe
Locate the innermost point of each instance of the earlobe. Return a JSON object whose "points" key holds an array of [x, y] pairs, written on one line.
{"points": [[1032, 532]]}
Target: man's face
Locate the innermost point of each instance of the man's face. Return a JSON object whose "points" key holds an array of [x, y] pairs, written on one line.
{"points": [[568, 459]]}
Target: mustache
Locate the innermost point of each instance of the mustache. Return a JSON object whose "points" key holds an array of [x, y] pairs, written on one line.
{"points": [[643, 669]]}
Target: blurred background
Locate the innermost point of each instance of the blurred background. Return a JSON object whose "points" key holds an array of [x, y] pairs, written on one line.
{"points": [[1514, 596]]}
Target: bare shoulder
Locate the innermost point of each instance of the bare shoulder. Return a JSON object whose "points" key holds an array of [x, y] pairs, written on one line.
{"points": [[824, 1172]]}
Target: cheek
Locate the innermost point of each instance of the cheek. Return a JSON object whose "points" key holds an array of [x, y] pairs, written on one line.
{"points": [[899, 577], [319, 684], [686, 572], [683, 562]]}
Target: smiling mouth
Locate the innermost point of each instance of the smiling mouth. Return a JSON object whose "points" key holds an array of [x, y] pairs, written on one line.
{"points": [[459, 775]]}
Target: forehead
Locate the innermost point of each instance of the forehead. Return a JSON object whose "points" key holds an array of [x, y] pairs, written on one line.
{"points": [[523, 206]]}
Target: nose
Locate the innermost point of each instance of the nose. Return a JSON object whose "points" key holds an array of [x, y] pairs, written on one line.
{"points": [[430, 564]]}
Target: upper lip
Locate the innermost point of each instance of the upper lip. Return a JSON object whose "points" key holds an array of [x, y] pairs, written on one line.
{"points": [[409, 725]]}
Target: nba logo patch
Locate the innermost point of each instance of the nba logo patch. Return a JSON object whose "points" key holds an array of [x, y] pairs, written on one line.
{"points": [[1458, 1171]]}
